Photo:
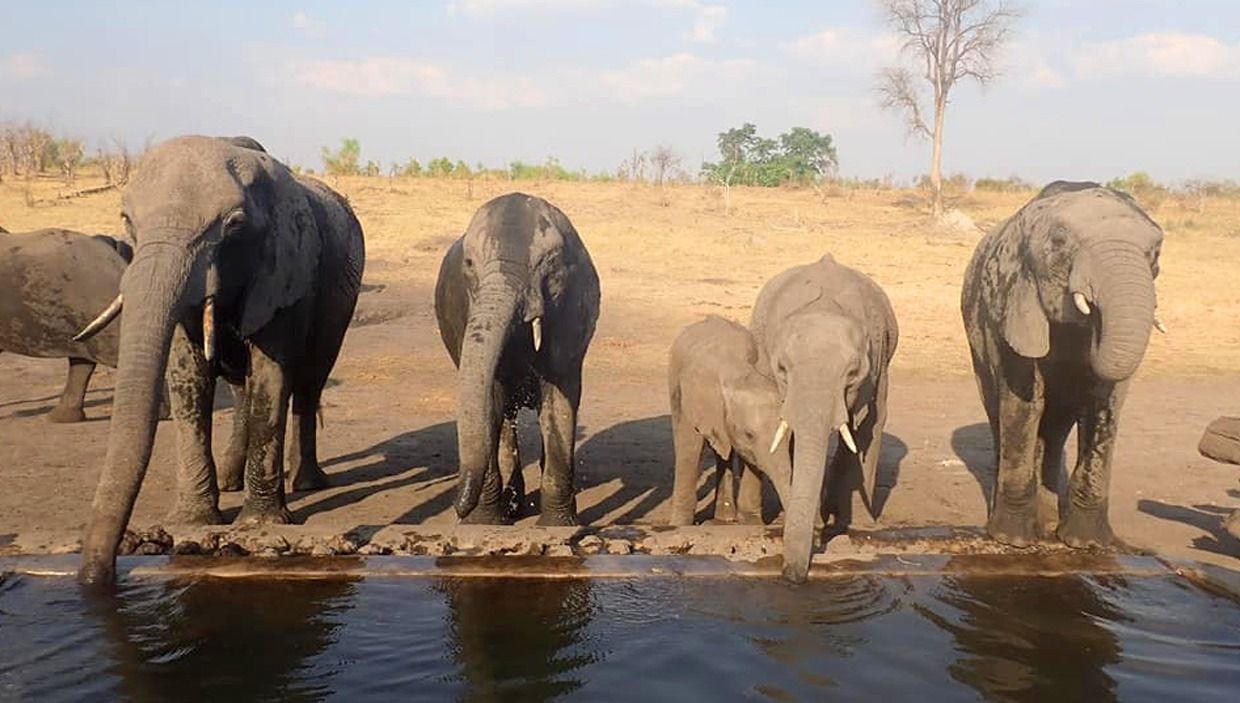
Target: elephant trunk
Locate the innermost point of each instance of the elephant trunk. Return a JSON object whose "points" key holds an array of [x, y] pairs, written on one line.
{"points": [[808, 469], [486, 332], [153, 287], [1124, 292]]}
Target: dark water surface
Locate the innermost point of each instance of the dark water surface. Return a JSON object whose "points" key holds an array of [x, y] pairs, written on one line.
{"points": [[944, 637]]}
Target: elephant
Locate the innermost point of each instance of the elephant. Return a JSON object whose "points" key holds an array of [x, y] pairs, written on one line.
{"points": [[52, 282], [1221, 442], [826, 334], [517, 300], [1058, 302], [241, 270], [719, 398]]}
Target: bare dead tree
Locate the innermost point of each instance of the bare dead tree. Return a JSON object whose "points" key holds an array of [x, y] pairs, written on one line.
{"points": [[633, 169], [68, 157], [948, 41]]}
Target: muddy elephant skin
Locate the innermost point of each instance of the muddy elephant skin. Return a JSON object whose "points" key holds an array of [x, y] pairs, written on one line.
{"points": [[1058, 303]]}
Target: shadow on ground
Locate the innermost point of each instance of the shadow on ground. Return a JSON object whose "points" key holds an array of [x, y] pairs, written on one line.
{"points": [[1207, 518], [975, 446]]}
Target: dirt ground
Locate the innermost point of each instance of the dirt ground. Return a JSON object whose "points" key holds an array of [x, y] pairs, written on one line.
{"points": [[666, 259]]}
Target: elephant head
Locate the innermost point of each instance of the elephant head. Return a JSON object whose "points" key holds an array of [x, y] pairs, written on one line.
{"points": [[224, 239], [1085, 256], [821, 366], [514, 260]]}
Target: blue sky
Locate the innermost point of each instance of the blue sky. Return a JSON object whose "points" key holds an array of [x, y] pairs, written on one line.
{"points": [[1092, 88]]}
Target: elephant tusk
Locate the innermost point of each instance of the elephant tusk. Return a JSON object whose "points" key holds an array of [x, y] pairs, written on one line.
{"points": [[208, 329], [102, 321], [536, 326], [1158, 325], [846, 435], [779, 435], [1081, 303]]}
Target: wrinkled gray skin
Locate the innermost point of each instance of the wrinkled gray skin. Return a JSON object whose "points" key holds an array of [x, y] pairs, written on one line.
{"points": [[519, 260], [719, 399], [52, 283], [281, 258], [825, 334], [1043, 366]]}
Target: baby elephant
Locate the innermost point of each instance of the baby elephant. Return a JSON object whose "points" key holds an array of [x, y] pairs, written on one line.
{"points": [[52, 282], [719, 398]]}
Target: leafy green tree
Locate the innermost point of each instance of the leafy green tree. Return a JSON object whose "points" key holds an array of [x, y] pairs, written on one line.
{"points": [[801, 155], [345, 161]]}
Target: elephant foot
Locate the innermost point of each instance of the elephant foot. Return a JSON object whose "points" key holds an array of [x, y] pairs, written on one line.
{"points": [[231, 474], [97, 574], [61, 415], [485, 515], [195, 512], [725, 513], [1048, 514], [558, 518], [264, 514], [1086, 527], [308, 477], [1015, 527], [744, 518]]}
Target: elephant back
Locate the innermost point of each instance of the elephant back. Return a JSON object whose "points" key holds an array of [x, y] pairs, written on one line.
{"points": [[52, 284]]}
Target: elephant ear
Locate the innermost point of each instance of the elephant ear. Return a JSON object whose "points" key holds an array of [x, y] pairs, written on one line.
{"points": [[1025, 327], [288, 259], [712, 422]]}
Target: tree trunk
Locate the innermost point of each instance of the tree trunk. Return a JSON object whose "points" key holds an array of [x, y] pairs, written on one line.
{"points": [[936, 161]]}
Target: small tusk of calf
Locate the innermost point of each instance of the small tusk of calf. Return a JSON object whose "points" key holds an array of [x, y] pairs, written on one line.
{"points": [[1081, 303], [1158, 325], [105, 317], [536, 326], [779, 434], [846, 435], [208, 329]]}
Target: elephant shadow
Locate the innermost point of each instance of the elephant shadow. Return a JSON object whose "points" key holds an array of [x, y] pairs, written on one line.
{"points": [[893, 452], [975, 446], [1207, 518], [416, 457]]}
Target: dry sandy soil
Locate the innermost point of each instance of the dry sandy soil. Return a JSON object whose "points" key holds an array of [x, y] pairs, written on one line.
{"points": [[389, 442]]}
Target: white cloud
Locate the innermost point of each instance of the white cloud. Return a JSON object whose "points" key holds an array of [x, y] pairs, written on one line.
{"points": [[388, 76], [22, 66], [1044, 76], [308, 25], [844, 47], [709, 19], [1158, 54], [668, 76], [488, 8]]}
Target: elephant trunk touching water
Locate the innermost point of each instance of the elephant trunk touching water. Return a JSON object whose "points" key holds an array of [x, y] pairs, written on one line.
{"points": [[241, 270], [517, 299]]}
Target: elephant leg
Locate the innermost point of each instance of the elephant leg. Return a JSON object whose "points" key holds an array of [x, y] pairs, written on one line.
{"points": [[1013, 515], [232, 471], [870, 444], [305, 474], [748, 495], [1085, 523], [69, 408], [687, 446], [1053, 434], [267, 398], [842, 473], [557, 419], [512, 499], [192, 389], [725, 488]]}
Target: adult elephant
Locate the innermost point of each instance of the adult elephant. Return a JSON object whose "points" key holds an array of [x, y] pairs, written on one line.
{"points": [[52, 282], [241, 270], [1058, 303], [825, 333], [517, 300]]}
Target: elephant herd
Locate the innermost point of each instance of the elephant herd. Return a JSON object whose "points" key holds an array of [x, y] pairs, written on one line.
{"points": [[245, 271]]}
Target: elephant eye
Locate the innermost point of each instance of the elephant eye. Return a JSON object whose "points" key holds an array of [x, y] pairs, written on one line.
{"points": [[234, 223], [469, 263]]}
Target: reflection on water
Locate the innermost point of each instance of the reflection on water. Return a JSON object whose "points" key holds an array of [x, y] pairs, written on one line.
{"points": [[952, 637]]}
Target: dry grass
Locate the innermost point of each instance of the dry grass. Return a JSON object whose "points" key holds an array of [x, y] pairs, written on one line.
{"points": [[664, 266]]}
